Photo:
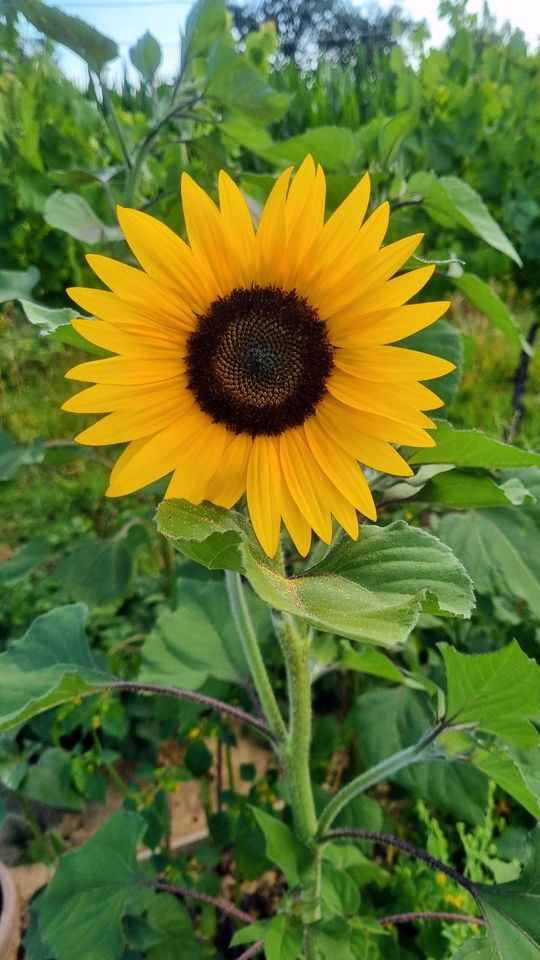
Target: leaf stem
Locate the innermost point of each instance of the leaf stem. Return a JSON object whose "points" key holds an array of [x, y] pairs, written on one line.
{"points": [[386, 839], [381, 771], [218, 705], [252, 951], [430, 915], [252, 653], [224, 905], [109, 109]]}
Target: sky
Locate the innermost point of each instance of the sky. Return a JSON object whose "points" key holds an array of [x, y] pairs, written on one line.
{"points": [[126, 20]]}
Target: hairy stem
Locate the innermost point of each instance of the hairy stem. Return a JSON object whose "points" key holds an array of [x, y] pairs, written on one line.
{"points": [[252, 951], [219, 705], [252, 653], [381, 771]]}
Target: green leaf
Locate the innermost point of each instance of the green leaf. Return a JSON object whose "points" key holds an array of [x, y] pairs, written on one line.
{"points": [[207, 534], [51, 664], [440, 340], [512, 910], [242, 88], [170, 919], [332, 938], [338, 891], [372, 590], [489, 303], [13, 456], [476, 949], [145, 56], [97, 571], [495, 547], [250, 933], [471, 448], [17, 283], [450, 201], [206, 22], [72, 214], [463, 491], [282, 847], [27, 559], [45, 317], [390, 720], [517, 772], [95, 48], [336, 148], [392, 134], [196, 641], [498, 692], [49, 781], [97, 885], [283, 939]]}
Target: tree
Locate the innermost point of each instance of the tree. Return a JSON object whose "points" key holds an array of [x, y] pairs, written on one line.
{"points": [[309, 29]]}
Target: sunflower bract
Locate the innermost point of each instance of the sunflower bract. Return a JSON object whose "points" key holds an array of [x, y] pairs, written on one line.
{"points": [[258, 362]]}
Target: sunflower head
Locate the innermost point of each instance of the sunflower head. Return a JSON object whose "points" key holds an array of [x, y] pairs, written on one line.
{"points": [[258, 362]]}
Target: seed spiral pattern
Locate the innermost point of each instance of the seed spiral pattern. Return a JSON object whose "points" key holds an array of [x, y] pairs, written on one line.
{"points": [[259, 360]]}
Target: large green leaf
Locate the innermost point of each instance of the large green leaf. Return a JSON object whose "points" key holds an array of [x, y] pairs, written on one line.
{"points": [[49, 781], [450, 202], [17, 283], [516, 771], [470, 448], [205, 533], [390, 720], [95, 48], [476, 949], [72, 214], [336, 148], [283, 938], [372, 590], [392, 134], [145, 56], [489, 303], [196, 641], [241, 88], [27, 559], [206, 22], [91, 891], [497, 548], [462, 491], [512, 910], [52, 663], [498, 692], [98, 571]]}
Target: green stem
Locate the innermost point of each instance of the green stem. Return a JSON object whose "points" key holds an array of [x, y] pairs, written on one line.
{"points": [[381, 771], [252, 653], [169, 562]]}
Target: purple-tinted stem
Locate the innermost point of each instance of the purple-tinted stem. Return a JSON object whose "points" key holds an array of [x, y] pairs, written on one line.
{"points": [[252, 951], [219, 705], [224, 905], [430, 915]]}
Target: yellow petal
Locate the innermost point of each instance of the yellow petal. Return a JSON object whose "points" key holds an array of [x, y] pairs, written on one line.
{"points": [[197, 463], [386, 326], [376, 398], [136, 422], [300, 472], [297, 525], [103, 398], [125, 371], [166, 258], [391, 294], [345, 426], [116, 340], [375, 269], [271, 238], [304, 230], [237, 225], [138, 289], [204, 228], [149, 459], [109, 307], [230, 479], [340, 467], [391, 364], [263, 492]]}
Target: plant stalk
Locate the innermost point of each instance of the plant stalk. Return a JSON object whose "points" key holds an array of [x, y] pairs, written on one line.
{"points": [[252, 653]]}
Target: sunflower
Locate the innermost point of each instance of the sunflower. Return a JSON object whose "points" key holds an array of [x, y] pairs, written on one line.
{"points": [[257, 361]]}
